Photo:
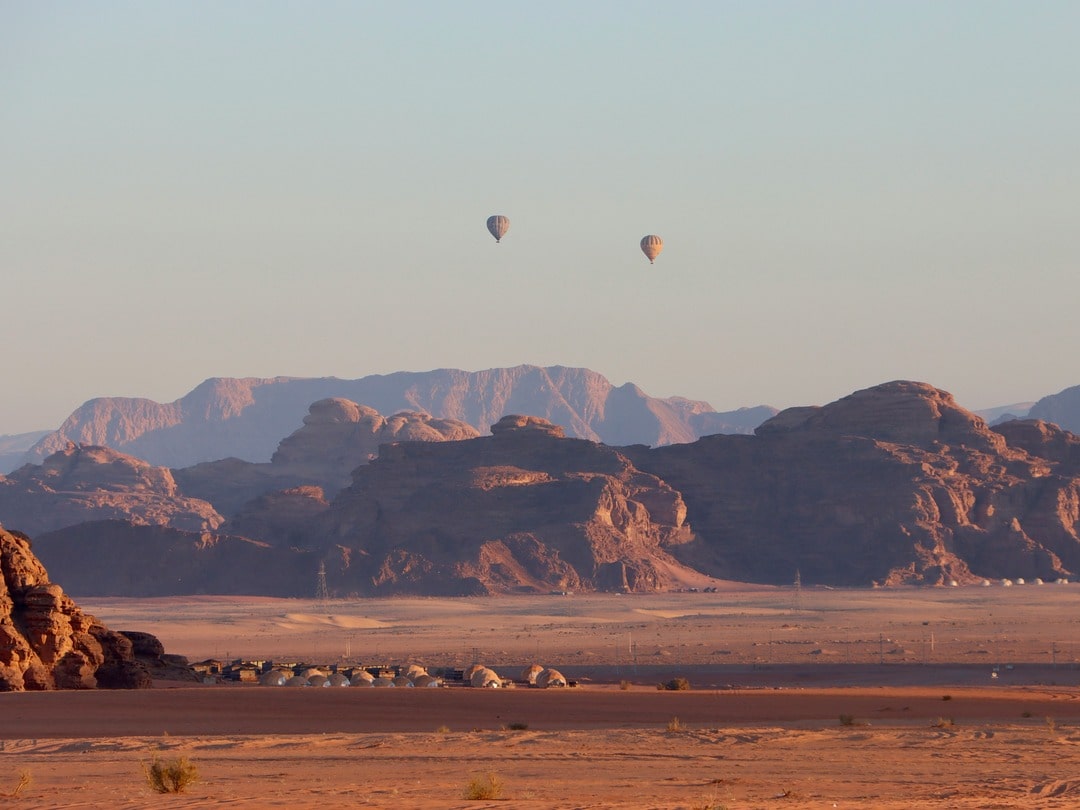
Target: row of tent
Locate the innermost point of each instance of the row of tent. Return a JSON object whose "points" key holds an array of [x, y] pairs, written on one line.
{"points": [[415, 676], [651, 244]]}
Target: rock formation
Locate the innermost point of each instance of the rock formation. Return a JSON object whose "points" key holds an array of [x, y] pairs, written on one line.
{"points": [[893, 484], [80, 484], [245, 418], [47, 642], [524, 509], [337, 437]]}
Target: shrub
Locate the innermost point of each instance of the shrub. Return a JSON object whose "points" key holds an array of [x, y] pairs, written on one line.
{"points": [[674, 724], [677, 685], [442, 730], [624, 685], [24, 782], [946, 697], [943, 722], [847, 719], [486, 786], [516, 726], [173, 776]]}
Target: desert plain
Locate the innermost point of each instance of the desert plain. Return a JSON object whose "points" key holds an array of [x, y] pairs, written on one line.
{"points": [[800, 697]]}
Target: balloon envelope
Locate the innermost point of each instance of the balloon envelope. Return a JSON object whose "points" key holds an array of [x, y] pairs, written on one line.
{"points": [[498, 225], [651, 246]]}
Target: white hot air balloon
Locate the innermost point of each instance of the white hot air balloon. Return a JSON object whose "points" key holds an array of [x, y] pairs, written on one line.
{"points": [[651, 246], [498, 225]]}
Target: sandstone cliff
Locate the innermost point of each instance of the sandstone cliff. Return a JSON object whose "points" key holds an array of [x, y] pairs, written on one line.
{"points": [[524, 509], [80, 484], [47, 642], [245, 418], [893, 484]]}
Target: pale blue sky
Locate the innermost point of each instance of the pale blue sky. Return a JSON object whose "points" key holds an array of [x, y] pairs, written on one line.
{"points": [[849, 193]]}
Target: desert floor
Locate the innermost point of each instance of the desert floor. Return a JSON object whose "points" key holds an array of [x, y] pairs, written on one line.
{"points": [[965, 698]]}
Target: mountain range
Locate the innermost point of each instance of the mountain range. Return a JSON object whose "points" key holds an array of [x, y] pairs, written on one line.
{"points": [[896, 484], [245, 418]]}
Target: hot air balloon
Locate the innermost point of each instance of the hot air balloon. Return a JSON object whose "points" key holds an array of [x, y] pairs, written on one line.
{"points": [[651, 246], [498, 225]]}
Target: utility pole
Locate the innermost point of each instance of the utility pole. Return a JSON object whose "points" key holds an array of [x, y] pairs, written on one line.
{"points": [[322, 596]]}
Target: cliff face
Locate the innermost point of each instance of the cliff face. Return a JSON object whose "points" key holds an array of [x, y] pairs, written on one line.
{"points": [[522, 509], [892, 484], [245, 418], [46, 641], [80, 484], [337, 437]]}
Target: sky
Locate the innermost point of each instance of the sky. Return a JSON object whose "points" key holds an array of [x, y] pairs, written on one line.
{"points": [[848, 192]]}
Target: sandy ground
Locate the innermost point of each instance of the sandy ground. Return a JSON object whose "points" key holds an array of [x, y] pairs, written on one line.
{"points": [[964, 698]]}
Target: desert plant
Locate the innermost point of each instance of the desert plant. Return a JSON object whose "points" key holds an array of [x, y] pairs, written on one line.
{"points": [[442, 730], [1051, 726], [624, 685], [24, 782], [484, 786], [677, 685], [942, 722], [847, 719], [174, 776], [516, 726], [946, 697], [674, 724]]}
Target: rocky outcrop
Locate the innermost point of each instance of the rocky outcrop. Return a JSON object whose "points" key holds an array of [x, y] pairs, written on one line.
{"points": [[521, 510], [245, 418], [80, 484], [893, 484], [46, 641], [337, 437]]}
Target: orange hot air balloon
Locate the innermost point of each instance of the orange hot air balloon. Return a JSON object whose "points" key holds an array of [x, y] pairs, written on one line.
{"points": [[498, 225], [651, 246]]}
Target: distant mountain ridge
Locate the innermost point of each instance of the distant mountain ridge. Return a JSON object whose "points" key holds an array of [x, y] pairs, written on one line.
{"points": [[246, 417]]}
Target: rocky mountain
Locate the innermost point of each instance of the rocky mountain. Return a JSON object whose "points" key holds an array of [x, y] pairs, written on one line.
{"points": [[524, 509], [81, 484], [893, 484], [1063, 409], [47, 642], [337, 436], [245, 418]]}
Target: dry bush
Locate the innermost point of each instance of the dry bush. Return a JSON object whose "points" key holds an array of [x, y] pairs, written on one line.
{"points": [[624, 685], [442, 730], [942, 722], [675, 685], [847, 719], [516, 726], [174, 776], [24, 782], [484, 787], [674, 724]]}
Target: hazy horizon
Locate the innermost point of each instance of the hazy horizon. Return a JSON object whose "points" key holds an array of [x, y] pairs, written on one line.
{"points": [[848, 193]]}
